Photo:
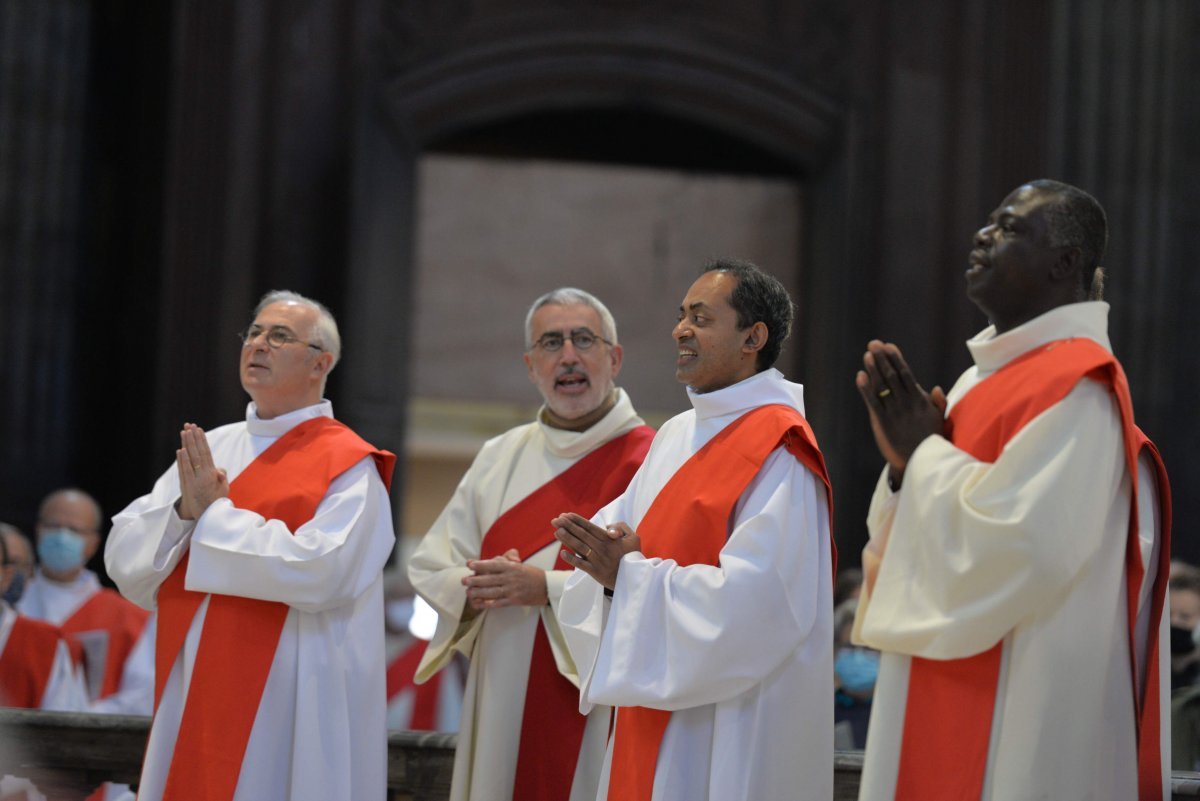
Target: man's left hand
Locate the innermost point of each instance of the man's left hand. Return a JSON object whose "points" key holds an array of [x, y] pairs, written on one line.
{"points": [[505, 581], [594, 550]]}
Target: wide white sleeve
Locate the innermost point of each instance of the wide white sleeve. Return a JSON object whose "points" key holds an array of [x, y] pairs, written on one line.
{"points": [[147, 541], [65, 691], [439, 564], [325, 563], [678, 637], [967, 549], [135, 693]]}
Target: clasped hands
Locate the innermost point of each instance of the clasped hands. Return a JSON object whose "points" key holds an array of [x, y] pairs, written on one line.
{"points": [[902, 414], [504, 580], [200, 481], [594, 550]]}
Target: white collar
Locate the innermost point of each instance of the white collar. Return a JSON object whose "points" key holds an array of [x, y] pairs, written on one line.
{"points": [[1088, 319], [760, 389], [281, 424], [568, 444]]}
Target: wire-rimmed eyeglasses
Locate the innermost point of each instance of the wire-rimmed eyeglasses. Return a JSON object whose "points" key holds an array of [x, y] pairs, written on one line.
{"points": [[581, 338], [277, 337]]}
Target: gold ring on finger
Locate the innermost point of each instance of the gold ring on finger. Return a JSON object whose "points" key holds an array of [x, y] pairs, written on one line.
{"points": [[883, 393]]}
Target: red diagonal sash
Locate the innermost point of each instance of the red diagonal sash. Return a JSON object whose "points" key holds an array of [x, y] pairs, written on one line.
{"points": [[26, 662], [689, 523], [551, 726], [237, 644], [123, 621], [950, 703]]}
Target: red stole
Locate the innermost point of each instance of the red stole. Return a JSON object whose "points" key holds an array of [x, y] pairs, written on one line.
{"points": [[237, 644], [400, 675], [950, 705], [689, 522], [26, 662], [122, 623], [551, 726]]}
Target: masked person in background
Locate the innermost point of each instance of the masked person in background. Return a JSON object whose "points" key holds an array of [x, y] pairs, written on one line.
{"points": [[116, 643], [855, 669]]}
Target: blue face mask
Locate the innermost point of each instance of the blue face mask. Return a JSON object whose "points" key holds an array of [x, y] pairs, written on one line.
{"points": [[13, 593], [60, 550], [857, 668]]}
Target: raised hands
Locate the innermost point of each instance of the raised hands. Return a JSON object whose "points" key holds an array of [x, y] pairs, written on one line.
{"points": [[504, 581], [200, 481], [594, 550], [902, 413]]}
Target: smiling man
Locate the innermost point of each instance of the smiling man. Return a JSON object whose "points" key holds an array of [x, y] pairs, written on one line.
{"points": [[263, 549], [702, 606], [1019, 538], [490, 564]]}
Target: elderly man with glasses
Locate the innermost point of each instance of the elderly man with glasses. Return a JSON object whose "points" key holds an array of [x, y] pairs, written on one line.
{"points": [[262, 548], [491, 568]]}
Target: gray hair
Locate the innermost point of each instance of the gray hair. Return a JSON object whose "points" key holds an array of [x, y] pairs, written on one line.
{"points": [[570, 296], [325, 332]]}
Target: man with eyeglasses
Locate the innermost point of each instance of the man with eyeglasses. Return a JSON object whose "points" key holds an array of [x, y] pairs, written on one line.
{"points": [[702, 606], [112, 634], [263, 549], [491, 569]]}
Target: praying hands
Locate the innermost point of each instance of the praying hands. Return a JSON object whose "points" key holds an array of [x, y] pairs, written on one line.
{"points": [[200, 481], [594, 550]]}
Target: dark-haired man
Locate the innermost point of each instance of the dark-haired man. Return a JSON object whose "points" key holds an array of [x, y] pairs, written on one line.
{"points": [[1018, 556], [702, 602]]}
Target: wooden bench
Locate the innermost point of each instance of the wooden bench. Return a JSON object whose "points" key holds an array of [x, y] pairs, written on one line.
{"points": [[69, 754]]}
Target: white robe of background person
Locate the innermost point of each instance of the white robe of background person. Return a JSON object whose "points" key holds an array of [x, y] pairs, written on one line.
{"points": [[55, 602], [499, 642], [320, 731], [741, 653], [1030, 550]]}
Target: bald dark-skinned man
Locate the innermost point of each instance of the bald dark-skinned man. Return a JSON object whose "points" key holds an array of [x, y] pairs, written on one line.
{"points": [[1019, 538]]}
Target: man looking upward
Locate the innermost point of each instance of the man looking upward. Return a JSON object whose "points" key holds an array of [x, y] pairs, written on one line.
{"points": [[1017, 561], [263, 550], [702, 606], [490, 566]]}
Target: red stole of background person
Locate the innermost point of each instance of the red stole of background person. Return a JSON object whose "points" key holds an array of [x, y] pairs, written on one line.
{"points": [[122, 623], [26, 662], [689, 523], [551, 726], [948, 717], [237, 644]]}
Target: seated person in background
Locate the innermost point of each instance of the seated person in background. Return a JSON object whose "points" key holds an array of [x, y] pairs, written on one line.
{"points": [[117, 644], [855, 669], [1184, 589], [20, 555], [35, 664]]}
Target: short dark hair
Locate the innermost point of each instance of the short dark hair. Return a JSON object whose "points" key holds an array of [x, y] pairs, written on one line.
{"points": [[1184, 583], [1075, 219], [758, 297]]}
